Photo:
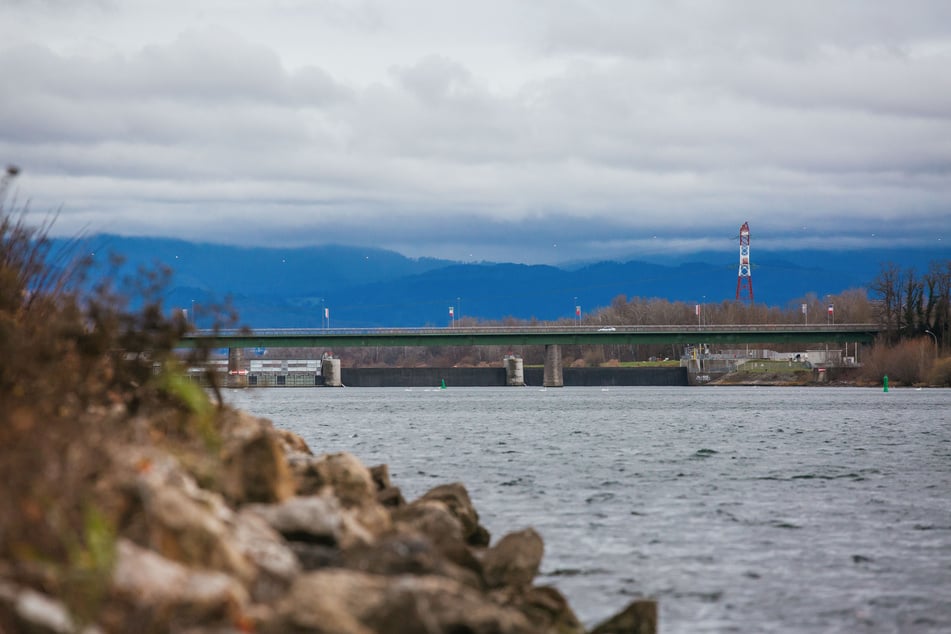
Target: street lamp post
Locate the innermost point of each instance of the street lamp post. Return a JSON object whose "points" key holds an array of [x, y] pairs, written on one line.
{"points": [[935, 337]]}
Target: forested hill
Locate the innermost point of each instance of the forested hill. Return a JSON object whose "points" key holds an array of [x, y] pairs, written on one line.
{"points": [[368, 287]]}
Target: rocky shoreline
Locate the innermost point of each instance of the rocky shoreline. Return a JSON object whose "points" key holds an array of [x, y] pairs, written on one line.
{"points": [[263, 535]]}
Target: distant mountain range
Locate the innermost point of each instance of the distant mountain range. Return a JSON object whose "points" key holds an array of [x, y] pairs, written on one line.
{"points": [[368, 287]]}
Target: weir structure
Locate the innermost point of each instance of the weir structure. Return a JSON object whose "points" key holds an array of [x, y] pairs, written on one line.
{"points": [[552, 337]]}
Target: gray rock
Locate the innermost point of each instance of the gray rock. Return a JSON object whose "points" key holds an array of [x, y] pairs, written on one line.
{"points": [[639, 617], [348, 602], [26, 610], [254, 459], [514, 560], [148, 588], [191, 525], [313, 519], [408, 553], [433, 520], [456, 498], [276, 563], [350, 480]]}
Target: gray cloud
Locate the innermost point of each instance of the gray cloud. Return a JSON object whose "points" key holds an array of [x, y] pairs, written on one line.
{"points": [[599, 127]]}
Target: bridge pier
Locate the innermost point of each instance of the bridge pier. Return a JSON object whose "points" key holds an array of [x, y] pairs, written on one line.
{"points": [[514, 371], [553, 376], [330, 370], [237, 368]]}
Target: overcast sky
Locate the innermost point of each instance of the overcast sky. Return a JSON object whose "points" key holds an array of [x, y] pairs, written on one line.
{"points": [[514, 130]]}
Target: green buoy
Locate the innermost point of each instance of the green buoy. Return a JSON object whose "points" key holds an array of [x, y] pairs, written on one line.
{"points": [[886, 383], [443, 386]]}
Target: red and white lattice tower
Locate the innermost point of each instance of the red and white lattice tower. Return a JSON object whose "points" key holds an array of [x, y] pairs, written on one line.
{"points": [[744, 281]]}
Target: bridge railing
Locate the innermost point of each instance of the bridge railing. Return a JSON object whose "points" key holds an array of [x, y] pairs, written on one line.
{"points": [[586, 329]]}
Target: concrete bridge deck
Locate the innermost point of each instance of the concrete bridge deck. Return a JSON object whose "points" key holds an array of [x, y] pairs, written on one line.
{"points": [[535, 335]]}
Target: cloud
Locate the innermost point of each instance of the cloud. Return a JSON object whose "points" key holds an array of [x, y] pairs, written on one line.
{"points": [[498, 128]]}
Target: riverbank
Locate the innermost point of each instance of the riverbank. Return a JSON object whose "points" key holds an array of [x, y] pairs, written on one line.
{"points": [[779, 377], [214, 520]]}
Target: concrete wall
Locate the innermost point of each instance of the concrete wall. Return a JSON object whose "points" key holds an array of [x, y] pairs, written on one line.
{"points": [[607, 377], [422, 377], [474, 377], [490, 377]]}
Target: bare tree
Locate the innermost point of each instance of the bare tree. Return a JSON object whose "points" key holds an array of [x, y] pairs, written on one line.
{"points": [[938, 311], [887, 288], [910, 316]]}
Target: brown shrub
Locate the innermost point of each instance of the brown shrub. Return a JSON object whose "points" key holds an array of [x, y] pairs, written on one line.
{"points": [[594, 356], [76, 364], [940, 374], [905, 363]]}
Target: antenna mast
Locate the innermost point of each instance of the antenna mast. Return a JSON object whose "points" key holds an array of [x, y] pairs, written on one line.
{"points": [[744, 282]]}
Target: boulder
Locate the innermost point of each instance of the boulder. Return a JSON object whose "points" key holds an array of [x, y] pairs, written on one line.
{"points": [[170, 514], [547, 609], [350, 479], [514, 560], [276, 564], [254, 460], [319, 519], [390, 497], [26, 610], [157, 594], [372, 517], [292, 443], [430, 518], [188, 524], [348, 601], [408, 553], [639, 617], [315, 556], [314, 519], [381, 476], [386, 494], [308, 478], [343, 472], [433, 520], [333, 601], [456, 498]]}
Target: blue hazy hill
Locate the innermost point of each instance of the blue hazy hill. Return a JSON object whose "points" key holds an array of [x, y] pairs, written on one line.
{"points": [[368, 287]]}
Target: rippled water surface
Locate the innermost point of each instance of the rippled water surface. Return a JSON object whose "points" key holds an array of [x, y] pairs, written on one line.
{"points": [[739, 509]]}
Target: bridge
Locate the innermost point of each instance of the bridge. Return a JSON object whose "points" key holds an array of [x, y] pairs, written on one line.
{"points": [[552, 337]]}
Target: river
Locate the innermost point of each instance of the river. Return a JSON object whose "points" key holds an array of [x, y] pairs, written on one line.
{"points": [[739, 509]]}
